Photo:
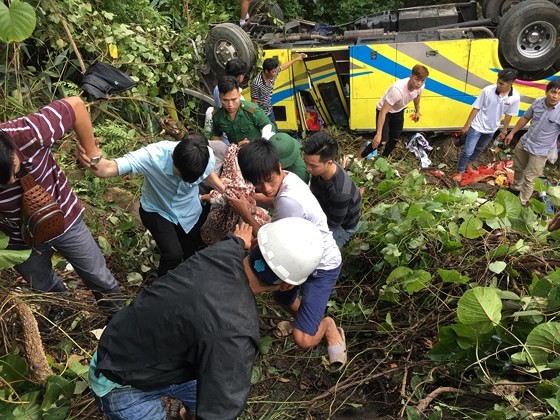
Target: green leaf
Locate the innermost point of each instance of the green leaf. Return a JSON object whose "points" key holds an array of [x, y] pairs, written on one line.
{"points": [[490, 210], [57, 387], [471, 228], [509, 202], [264, 345], [17, 22], [497, 266], [543, 342], [9, 257], [452, 276], [105, 246], [480, 305], [4, 240]]}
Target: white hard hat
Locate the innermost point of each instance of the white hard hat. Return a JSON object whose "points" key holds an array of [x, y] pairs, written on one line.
{"points": [[292, 248]]}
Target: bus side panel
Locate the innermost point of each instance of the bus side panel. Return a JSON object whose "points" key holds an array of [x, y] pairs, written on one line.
{"points": [[372, 70], [444, 104]]}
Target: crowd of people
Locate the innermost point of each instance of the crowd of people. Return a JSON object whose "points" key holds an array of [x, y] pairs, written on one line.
{"points": [[276, 213]]}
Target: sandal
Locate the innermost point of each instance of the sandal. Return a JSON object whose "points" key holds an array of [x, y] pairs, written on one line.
{"points": [[338, 354], [283, 329]]}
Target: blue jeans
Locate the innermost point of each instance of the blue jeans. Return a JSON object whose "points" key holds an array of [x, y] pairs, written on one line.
{"points": [[341, 235], [475, 143], [131, 403], [80, 249]]}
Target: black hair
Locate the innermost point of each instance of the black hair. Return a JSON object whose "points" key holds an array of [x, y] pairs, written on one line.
{"points": [[235, 67], [322, 144], [227, 83], [554, 84], [195, 136], [258, 160], [507, 75], [270, 64], [191, 158], [7, 151]]}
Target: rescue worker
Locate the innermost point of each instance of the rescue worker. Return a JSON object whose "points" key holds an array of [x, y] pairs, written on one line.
{"points": [[390, 109], [196, 332], [337, 194], [240, 120], [260, 165], [531, 153]]}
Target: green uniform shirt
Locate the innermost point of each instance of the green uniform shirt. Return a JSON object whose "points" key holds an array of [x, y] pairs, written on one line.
{"points": [[299, 169], [248, 123]]}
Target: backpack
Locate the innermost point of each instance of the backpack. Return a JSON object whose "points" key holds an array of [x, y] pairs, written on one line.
{"points": [[102, 79], [41, 216]]}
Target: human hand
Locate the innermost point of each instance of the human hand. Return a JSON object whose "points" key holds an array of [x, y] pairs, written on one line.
{"points": [[243, 142], [245, 232], [82, 156], [465, 129], [508, 139], [416, 116], [376, 140], [239, 205], [501, 136], [301, 56]]}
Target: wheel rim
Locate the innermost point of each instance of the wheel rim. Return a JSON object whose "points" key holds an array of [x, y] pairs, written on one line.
{"points": [[536, 40], [224, 51]]}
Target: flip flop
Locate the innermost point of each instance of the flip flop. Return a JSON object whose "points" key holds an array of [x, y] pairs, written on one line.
{"points": [[283, 329], [338, 354]]}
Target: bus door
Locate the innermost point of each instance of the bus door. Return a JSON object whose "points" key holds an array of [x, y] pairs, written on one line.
{"points": [[326, 89]]}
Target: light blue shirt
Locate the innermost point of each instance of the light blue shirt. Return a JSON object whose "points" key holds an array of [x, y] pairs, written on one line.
{"points": [[100, 385], [544, 129], [163, 192]]}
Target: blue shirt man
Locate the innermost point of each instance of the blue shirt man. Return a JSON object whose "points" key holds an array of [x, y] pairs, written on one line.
{"points": [[170, 207]]}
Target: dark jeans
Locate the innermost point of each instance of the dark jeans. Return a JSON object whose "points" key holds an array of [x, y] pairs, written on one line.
{"points": [[392, 130], [175, 245]]}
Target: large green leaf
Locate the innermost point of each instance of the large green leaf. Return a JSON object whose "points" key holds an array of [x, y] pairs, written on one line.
{"points": [[17, 22], [509, 202], [480, 305], [57, 387], [9, 258], [471, 228], [490, 210], [452, 276], [543, 343]]}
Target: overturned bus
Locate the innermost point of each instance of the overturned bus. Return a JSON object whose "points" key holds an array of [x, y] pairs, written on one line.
{"points": [[344, 76]]}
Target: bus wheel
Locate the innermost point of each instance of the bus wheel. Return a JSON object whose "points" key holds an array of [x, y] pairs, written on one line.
{"points": [[226, 41], [260, 10], [494, 8], [528, 36]]}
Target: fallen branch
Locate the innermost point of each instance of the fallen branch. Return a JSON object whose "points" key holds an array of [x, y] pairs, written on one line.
{"points": [[425, 402]]}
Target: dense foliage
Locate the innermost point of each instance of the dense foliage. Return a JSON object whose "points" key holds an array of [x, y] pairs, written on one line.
{"points": [[445, 292]]}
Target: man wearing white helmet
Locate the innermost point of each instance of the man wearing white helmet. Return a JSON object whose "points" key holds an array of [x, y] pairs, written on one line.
{"points": [[260, 164], [197, 332]]}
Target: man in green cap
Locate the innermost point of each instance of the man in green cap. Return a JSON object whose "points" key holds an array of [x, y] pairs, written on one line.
{"points": [[289, 150]]}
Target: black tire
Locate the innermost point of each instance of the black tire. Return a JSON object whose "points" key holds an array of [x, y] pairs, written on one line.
{"points": [[226, 41], [494, 8], [261, 10], [191, 106], [528, 36]]}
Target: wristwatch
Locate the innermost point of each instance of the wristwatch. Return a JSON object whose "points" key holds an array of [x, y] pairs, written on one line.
{"points": [[94, 160]]}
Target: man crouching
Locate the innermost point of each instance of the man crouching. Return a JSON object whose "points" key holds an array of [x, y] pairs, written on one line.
{"points": [[197, 332]]}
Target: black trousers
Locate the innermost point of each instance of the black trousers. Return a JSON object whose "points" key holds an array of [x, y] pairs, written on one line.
{"points": [[392, 130], [175, 245]]}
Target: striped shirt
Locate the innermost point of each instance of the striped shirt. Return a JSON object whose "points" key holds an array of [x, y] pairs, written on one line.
{"points": [[33, 137], [263, 92], [541, 136], [339, 198]]}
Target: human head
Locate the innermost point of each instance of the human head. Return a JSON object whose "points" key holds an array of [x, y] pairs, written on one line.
{"points": [[260, 165], [319, 153], [8, 159], [190, 159], [418, 76], [195, 136], [506, 77], [236, 68], [270, 66], [288, 148], [553, 92], [228, 87], [287, 251]]}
